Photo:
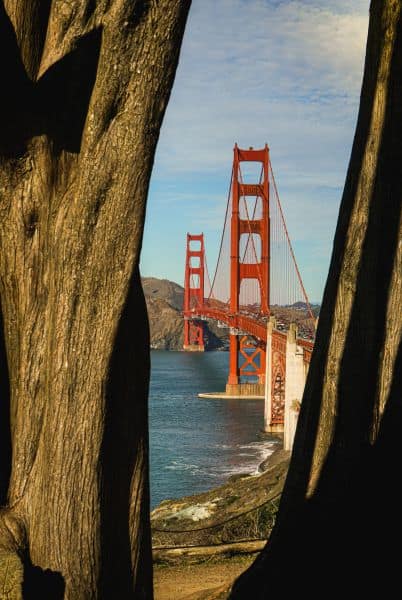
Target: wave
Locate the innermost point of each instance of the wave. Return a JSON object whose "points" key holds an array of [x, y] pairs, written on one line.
{"points": [[246, 462], [183, 467], [216, 469]]}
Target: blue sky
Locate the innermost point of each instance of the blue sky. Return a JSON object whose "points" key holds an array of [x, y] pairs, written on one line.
{"points": [[285, 72]]}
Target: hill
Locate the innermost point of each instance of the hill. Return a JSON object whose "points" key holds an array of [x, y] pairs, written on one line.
{"points": [[163, 289], [164, 300]]}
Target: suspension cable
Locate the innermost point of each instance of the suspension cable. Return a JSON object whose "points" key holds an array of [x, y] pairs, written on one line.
{"points": [[223, 234], [211, 294], [290, 246]]}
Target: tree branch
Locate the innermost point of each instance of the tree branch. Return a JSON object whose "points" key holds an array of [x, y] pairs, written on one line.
{"points": [[30, 20]]}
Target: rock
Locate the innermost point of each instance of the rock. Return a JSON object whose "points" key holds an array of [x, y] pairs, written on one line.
{"points": [[242, 509], [238, 477]]}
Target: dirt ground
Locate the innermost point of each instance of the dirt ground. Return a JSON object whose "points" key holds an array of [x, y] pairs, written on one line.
{"points": [[201, 581]]}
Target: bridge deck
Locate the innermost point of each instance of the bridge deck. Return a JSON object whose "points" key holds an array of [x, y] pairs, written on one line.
{"points": [[242, 323]]}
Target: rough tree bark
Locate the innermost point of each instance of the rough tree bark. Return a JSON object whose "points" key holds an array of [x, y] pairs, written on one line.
{"points": [[340, 520], [85, 86]]}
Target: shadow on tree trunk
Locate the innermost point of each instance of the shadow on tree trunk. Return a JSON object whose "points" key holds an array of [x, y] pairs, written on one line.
{"points": [[57, 104], [63, 93], [39, 583], [125, 440], [342, 537]]}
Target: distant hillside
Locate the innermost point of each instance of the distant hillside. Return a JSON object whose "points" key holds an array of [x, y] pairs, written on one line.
{"points": [[164, 289], [315, 308], [164, 300]]}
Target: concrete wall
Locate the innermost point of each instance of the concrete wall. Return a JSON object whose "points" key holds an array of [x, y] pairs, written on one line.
{"points": [[296, 371], [295, 378], [245, 389], [193, 348]]}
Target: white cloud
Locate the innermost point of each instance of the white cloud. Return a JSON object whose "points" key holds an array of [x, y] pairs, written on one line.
{"points": [[255, 71], [286, 72]]}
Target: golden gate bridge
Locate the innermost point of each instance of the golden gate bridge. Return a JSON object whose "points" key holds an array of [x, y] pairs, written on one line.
{"points": [[256, 292]]}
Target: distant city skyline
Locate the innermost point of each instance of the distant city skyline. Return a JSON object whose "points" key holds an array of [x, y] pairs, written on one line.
{"points": [[285, 72]]}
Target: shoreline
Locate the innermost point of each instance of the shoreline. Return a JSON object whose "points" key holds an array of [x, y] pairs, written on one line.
{"points": [[242, 509]]}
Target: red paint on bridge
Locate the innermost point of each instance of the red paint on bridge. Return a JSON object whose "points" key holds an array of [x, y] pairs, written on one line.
{"points": [[255, 277]]}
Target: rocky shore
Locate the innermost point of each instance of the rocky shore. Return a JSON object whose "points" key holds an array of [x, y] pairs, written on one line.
{"points": [[202, 543], [241, 510]]}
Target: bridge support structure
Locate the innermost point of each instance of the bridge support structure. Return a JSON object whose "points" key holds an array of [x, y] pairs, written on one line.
{"points": [[275, 379], [286, 372], [296, 374], [194, 292], [265, 362], [251, 351]]}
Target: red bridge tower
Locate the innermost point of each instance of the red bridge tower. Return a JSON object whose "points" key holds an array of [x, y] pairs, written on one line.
{"points": [[251, 226], [194, 292]]}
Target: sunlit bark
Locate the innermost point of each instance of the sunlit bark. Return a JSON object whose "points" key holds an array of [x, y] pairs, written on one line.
{"points": [[85, 87]]}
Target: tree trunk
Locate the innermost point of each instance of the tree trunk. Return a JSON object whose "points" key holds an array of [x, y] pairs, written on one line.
{"points": [[339, 520], [86, 87]]}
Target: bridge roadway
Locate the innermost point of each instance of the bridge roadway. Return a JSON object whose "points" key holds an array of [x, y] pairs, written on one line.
{"points": [[243, 323]]}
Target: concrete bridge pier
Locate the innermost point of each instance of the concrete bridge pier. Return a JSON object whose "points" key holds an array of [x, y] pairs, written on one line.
{"points": [[296, 373], [286, 372]]}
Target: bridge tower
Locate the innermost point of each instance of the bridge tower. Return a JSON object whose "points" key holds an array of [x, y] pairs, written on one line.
{"points": [[194, 292], [254, 359]]}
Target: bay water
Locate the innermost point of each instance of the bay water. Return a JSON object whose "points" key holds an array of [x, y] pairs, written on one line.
{"points": [[197, 443]]}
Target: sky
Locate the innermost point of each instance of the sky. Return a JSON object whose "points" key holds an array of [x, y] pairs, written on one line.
{"points": [[285, 72]]}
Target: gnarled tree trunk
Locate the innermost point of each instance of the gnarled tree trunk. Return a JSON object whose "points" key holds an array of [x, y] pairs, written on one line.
{"points": [[85, 86], [340, 518]]}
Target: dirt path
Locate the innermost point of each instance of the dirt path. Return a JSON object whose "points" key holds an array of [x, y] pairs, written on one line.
{"points": [[197, 581]]}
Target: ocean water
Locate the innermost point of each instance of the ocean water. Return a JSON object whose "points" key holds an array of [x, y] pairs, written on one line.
{"points": [[197, 443]]}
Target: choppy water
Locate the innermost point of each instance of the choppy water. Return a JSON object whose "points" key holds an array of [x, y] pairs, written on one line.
{"points": [[198, 443]]}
